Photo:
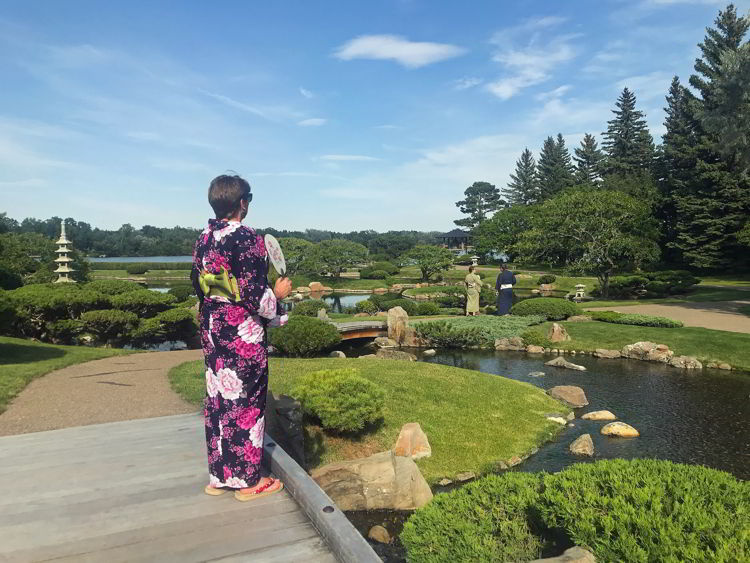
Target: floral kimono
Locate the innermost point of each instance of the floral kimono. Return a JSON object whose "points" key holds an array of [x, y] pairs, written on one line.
{"points": [[235, 349]]}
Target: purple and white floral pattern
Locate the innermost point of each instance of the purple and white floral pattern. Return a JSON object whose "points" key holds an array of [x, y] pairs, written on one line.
{"points": [[235, 350]]}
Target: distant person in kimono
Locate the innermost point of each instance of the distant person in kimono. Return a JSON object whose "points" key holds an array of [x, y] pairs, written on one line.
{"points": [[473, 286], [504, 285], [236, 305]]}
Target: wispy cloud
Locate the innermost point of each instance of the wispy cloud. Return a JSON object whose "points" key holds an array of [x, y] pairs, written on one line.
{"points": [[312, 122], [527, 56], [466, 82], [306, 93], [386, 126], [647, 87], [411, 54], [558, 92], [348, 158], [77, 56]]}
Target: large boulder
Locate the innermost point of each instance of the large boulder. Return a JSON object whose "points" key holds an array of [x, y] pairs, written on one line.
{"points": [[599, 415], [570, 395], [534, 349], [515, 343], [412, 442], [381, 481], [337, 354], [647, 351], [398, 320], [604, 353], [384, 342], [572, 555], [557, 333], [316, 287], [379, 534], [389, 354], [685, 362], [579, 319], [561, 362], [412, 340], [583, 445], [619, 429]]}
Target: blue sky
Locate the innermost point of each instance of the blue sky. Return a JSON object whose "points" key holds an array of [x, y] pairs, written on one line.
{"points": [[343, 115]]}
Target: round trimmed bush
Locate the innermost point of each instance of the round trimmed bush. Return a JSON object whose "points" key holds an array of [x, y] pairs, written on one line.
{"points": [[341, 399], [310, 307], [366, 306], [553, 308], [304, 336], [148, 331], [9, 279], [406, 304], [144, 302], [487, 520], [64, 331], [7, 313], [650, 510], [108, 324], [387, 267], [376, 275], [113, 287], [181, 292], [381, 300], [177, 324], [428, 308], [455, 300], [136, 269], [546, 279]]}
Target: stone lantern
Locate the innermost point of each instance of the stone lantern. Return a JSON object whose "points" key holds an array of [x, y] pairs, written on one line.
{"points": [[580, 294], [474, 260]]}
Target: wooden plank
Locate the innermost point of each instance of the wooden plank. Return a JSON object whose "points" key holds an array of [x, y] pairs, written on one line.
{"points": [[310, 550]]}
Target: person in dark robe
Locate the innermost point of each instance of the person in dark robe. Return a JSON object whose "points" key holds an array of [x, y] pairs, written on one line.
{"points": [[504, 286]]}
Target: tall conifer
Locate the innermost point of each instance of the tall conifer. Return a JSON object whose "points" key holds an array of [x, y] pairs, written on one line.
{"points": [[627, 142], [589, 159], [523, 188], [555, 171]]}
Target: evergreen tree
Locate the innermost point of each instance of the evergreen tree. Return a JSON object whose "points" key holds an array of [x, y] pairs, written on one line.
{"points": [[554, 171], [482, 198], [627, 142], [523, 188], [713, 204], [589, 160]]}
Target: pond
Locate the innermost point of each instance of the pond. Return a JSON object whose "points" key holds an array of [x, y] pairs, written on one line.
{"points": [[337, 301], [698, 418]]}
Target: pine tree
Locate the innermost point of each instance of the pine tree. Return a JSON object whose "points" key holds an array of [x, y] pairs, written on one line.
{"points": [[713, 203], [523, 188], [627, 142], [555, 171], [589, 160], [482, 199]]}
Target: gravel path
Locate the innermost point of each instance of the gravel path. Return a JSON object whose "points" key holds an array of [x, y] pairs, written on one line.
{"points": [[717, 315], [106, 390]]}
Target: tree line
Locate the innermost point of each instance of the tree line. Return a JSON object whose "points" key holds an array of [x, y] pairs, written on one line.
{"points": [[629, 202]]}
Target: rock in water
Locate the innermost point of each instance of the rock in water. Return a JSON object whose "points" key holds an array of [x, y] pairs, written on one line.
{"points": [[397, 323], [619, 429], [533, 349], [465, 476], [570, 395], [599, 415], [429, 353], [379, 534], [514, 343], [381, 481], [412, 442], [604, 353], [557, 333], [337, 354], [558, 419], [561, 362], [685, 362], [315, 286], [385, 342], [388, 354], [583, 445], [536, 374]]}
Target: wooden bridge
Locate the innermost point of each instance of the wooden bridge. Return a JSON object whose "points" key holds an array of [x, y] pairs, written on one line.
{"points": [[362, 329], [133, 491]]}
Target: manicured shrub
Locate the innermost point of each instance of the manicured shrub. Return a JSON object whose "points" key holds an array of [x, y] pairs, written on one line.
{"points": [[443, 334], [341, 399], [463, 260], [406, 304], [7, 313], [671, 282], [113, 287], [304, 336], [64, 331], [634, 319], [487, 520], [144, 303], [366, 306], [487, 296], [490, 309], [650, 510], [536, 336], [9, 279], [381, 300], [109, 324], [428, 308], [546, 279], [136, 269], [554, 309], [378, 275], [181, 292], [390, 269], [147, 265], [456, 300], [310, 307], [188, 303], [177, 324]]}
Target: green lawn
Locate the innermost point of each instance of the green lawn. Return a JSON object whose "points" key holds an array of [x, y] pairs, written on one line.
{"points": [[23, 360], [736, 280], [703, 343], [471, 419], [700, 294], [150, 275]]}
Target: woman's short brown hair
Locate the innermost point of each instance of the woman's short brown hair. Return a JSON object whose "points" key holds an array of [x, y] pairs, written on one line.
{"points": [[225, 194]]}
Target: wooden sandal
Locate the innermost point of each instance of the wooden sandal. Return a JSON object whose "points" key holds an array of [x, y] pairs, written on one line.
{"points": [[261, 491], [214, 491]]}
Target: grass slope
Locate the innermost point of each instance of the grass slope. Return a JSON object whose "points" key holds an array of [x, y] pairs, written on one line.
{"points": [[703, 343], [471, 419], [23, 360]]}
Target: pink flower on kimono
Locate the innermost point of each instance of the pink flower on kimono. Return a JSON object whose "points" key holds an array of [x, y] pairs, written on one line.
{"points": [[260, 247], [227, 473], [248, 417], [267, 306], [228, 230], [230, 386], [253, 454], [256, 432], [250, 331], [236, 483], [215, 443], [212, 383], [235, 315], [214, 262], [214, 481], [245, 349]]}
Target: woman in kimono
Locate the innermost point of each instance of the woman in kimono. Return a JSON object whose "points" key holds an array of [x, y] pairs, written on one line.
{"points": [[504, 285], [473, 285], [236, 306]]}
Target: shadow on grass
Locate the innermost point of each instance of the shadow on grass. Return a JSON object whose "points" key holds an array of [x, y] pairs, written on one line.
{"points": [[27, 353]]}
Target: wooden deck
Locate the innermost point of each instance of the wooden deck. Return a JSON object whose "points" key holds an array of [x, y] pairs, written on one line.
{"points": [[133, 491]]}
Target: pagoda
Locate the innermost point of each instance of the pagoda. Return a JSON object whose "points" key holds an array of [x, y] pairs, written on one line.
{"points": [[63, 261]]}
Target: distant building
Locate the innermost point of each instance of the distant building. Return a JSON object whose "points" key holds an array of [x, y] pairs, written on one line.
{"points": [[63, 260], [457, 240]]}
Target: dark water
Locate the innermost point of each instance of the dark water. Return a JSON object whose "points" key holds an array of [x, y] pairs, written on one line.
{"points": [[338, 301], [701, 418]]}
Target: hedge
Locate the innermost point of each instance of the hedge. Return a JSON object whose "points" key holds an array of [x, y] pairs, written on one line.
{"points": [[546, 279], [304, 336], [144, 302], [554, 309], [310, 307], [182, 292], [650, 284], [113, 287], [146, 265], [108, 324], [634, 319]]}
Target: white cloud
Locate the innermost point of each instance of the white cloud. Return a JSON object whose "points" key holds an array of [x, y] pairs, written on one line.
{"points": [[271, 113], [305, 92], [312, 122], [386, 126], [411, 54], [347, 158], [77, 56], [558, 92], [649, 86], [466, 83]]}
